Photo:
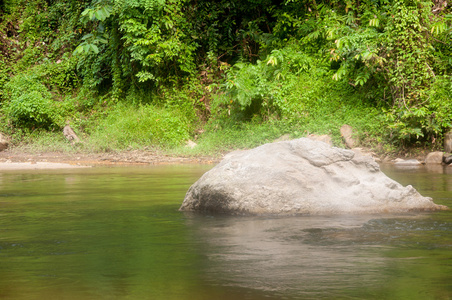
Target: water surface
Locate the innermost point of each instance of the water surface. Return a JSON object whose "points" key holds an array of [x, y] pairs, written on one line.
{"points": [[116, 233]]}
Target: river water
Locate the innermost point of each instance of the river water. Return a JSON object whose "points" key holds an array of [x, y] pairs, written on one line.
{"points": [[116, 233]]}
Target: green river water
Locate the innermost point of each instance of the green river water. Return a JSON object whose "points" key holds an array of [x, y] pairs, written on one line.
{"points": [[116, 233]]}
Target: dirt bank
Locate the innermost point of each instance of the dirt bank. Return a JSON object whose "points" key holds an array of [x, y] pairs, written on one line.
{"points": [[19, 159]]}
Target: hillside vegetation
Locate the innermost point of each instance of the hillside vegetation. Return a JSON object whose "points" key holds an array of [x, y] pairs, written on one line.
{"points": [[140, 74]]}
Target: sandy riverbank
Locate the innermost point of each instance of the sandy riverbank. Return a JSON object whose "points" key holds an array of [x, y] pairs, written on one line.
{"points": [[13, 159], [8, 165]]}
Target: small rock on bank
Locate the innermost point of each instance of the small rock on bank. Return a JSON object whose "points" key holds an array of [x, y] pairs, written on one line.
{"points": [[70, 135], [4, 141], [347, 135]]}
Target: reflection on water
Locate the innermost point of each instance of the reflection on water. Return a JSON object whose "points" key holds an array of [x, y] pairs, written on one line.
{"points": [[294, 256], [326, 257], [431, 180], [116, 233]]}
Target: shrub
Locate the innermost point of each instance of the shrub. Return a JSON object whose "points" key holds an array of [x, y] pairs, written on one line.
{"points": [[29, 104], [262, 89], [425, 122]]}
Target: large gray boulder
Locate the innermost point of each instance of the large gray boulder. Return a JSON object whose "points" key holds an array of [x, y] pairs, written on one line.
{"points": [[300, 177]]}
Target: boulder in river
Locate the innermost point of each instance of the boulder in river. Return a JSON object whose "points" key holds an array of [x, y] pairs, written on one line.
{"points": [[447, 159], [300, 176], [434, 158]]}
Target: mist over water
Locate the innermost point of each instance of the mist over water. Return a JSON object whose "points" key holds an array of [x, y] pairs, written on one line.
{"points": [[116, 233]]}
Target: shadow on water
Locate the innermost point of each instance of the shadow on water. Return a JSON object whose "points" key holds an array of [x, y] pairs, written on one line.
{"points": [[116, 233]]}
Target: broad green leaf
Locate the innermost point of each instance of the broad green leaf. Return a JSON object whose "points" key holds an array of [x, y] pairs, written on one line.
{"points": [[94, 48]]}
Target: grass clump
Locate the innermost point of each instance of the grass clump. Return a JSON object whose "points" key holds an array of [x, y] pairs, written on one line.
{"points": [[136, 127]]}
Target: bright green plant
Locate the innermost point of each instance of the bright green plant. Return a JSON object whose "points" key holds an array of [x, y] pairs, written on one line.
{"points": [[262, 89], [29, 104], [60, 77], [428, 120]]}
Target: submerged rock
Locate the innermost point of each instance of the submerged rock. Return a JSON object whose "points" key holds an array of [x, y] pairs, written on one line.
{"points": [[300, 177], [408, 162]]}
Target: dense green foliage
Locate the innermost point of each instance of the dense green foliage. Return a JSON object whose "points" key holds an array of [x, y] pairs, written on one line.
{"points": [[159, 72]]}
